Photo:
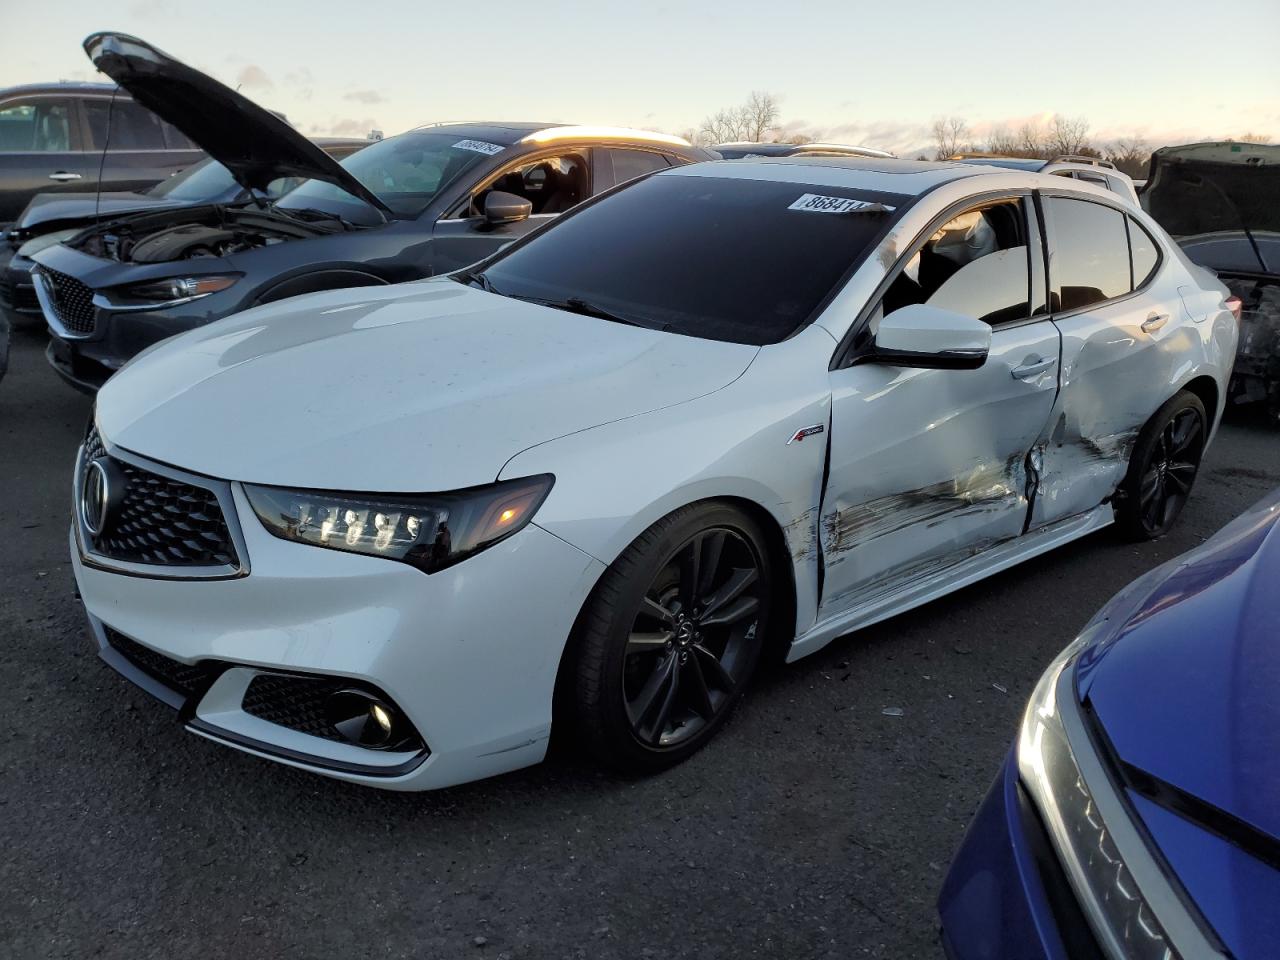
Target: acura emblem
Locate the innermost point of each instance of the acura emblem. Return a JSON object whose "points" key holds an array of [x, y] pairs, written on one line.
{"points": [[95, 497]]}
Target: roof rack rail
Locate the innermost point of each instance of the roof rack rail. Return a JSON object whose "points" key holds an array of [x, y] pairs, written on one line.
{"points": [[1092, 161]]}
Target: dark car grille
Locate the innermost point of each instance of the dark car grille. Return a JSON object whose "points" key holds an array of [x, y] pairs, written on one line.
{"points": [[294, 702], [72, 301], [186, 679], [161, 520]]}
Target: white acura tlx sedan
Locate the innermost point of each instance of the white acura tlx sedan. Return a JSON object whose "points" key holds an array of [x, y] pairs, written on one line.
{"points": [[393, 534]]}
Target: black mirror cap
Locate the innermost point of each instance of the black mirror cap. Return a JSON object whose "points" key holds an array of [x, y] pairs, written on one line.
{"points": [[502, 207]]}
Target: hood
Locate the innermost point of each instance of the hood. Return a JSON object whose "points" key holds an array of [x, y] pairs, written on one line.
{"points": [[50, 211], [250, 141], [425, 386], [1187, 685], [1212, 196]]}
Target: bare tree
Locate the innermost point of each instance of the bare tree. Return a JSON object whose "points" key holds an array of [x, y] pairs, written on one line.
{"points": [[1255, 138], [1031, 140], [760, 115], [1130, 155], [1003, 142], [949, 134], [1069, 135], [749, 122]]}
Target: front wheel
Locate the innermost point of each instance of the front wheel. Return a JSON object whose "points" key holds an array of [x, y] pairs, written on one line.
{"points": [[1163, 468], [671, 636]]}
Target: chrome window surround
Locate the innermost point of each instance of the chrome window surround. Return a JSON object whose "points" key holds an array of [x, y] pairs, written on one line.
{"points": [[1160, 893], [219, 488]]}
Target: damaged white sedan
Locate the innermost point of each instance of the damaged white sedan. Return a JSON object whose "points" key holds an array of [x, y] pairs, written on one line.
{"points": [[393, 534]]}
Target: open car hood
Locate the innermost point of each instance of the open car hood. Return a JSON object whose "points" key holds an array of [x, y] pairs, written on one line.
{"points": [[1220, 201], [254, 144]]}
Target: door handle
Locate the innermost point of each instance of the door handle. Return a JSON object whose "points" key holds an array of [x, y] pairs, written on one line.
{"points": [[62, 176], [1154, 322], [1029, 370]]}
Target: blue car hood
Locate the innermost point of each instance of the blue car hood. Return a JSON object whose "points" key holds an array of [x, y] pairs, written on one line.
{"points": [[1185, 685]]}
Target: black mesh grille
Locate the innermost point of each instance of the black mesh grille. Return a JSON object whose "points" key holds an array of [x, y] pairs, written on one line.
{"points": [[294, 702], [184, 678], [72, 301], [161, 520]]}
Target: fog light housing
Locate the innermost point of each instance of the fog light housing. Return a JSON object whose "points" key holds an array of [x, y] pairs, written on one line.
{"points": [[365, 720]]}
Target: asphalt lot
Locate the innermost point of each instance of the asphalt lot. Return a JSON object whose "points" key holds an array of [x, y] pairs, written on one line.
{"points": [[816, 826]]}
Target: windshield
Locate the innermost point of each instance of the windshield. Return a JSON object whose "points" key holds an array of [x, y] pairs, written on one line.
{"points": [[200, 181], [406, 173], [746, 261]]}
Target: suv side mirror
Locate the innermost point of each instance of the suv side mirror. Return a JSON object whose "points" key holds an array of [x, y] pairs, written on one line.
{"points": [[501, 207], [918, 335]]}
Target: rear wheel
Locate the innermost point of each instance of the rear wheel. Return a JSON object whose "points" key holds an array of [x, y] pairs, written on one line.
{"points": [[1163, 468], [671, 636]]}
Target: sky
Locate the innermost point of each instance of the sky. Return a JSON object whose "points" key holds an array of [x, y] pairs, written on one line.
{"points": [[877, 74]]}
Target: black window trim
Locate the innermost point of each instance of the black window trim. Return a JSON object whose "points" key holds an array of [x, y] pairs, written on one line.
{"points": [[1126, 211], [846, 355], [454, 211]]}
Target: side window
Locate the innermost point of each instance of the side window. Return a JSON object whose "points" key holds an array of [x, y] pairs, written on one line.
{"points": [[975, 264], [550, 184], [629, 164], [1144, 251], [1088, 253], [37, 125], [132, 127], [175, 139]]}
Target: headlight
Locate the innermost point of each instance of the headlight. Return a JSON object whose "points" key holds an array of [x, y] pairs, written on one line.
{"points": [[44, 241], [1091, 830], [177, 289], [430, 532]]}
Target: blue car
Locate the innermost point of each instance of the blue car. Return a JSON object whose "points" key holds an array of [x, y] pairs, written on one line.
{"points": [[1138, 814]]}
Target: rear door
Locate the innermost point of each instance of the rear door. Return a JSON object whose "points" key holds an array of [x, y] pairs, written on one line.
{"points": [[552, 182], [40, 150], [930, 468], [1119, 346]]}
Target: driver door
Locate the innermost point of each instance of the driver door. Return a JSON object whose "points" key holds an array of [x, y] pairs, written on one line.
{"points": [[551, 183], [931, 467]]}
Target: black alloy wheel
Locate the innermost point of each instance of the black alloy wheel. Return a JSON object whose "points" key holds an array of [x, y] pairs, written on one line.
{"points": [[670, 637], [1165, 462]]}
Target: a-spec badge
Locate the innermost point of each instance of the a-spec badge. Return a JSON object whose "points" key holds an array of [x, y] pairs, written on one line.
{"points": [[805, 432]]}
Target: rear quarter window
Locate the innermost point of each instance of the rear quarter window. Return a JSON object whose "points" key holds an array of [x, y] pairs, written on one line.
{"points": [[1088, 253]]}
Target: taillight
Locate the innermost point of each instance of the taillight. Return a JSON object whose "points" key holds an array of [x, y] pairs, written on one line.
{"points": [[1236, 306]]}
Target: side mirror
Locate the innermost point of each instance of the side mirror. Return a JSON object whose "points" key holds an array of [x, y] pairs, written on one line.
{"points": [[501, 207], [918, 335]]}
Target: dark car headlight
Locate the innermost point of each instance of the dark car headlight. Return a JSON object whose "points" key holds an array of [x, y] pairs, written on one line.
{"points": [[176, 289], [431, 531]]}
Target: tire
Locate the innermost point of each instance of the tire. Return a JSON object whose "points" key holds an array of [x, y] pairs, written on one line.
{"points": [[639, 630], [1163, 468]]}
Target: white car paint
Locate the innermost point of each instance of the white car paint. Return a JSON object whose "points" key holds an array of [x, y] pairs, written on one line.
{"points": [[433, 386]]}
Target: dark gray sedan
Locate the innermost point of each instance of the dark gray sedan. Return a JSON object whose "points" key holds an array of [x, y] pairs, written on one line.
{"points": [[426, 202]]}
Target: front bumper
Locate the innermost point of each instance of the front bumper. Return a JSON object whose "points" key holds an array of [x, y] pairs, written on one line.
{"points": [[469, 654]]}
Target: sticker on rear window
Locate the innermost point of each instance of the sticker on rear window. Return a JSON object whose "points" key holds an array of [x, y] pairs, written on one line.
{"points": [[816, 203], [479, 146]]}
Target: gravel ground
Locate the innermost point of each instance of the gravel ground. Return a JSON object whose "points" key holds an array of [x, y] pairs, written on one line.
{"points": [[816, 826]]}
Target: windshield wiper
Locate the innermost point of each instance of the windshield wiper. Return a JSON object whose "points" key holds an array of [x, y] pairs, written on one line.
{"points": [[474, 279], [588, 309], [322, 214]]}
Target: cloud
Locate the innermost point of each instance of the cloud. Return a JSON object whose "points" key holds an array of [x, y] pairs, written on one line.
{"points": [[252, 77], [344, 127], [365, 96]]}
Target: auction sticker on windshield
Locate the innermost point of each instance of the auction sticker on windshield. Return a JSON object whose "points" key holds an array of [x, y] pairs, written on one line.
{"points": [[479, 146], [816, 203]]}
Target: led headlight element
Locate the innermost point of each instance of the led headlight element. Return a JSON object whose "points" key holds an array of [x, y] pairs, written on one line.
{"points": [[431, 531]]}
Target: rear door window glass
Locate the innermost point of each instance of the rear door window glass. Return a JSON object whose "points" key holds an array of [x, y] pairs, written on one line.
{"points": [[629, 164], [1088, 253], [131, 127], [37, 125]]}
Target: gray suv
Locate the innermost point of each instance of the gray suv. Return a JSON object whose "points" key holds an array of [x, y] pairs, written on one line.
{"points": [[52, 137]]}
